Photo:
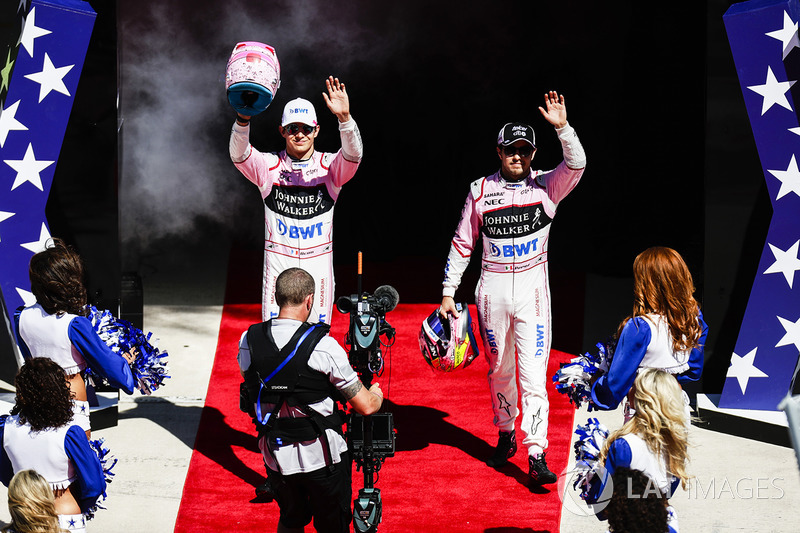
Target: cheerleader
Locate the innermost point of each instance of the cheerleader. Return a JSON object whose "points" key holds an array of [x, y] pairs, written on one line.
{"points": [[39, 435], [31, 504], [666, 329], [654, 440], [55, 327]]}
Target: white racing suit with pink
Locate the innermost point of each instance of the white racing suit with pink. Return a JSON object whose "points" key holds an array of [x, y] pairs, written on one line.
{"points": [[513, 295], [299, 197]]}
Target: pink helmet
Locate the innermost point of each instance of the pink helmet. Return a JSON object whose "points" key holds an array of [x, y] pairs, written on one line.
{"points": [[252, 77], [448, 344]]}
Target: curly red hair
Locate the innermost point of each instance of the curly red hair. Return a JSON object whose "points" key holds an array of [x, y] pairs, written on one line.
{"points": [[662, 284]]}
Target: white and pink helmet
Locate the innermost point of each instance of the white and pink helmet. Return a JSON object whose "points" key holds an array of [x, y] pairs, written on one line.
{"points": [[448, 344], [252, 77]]}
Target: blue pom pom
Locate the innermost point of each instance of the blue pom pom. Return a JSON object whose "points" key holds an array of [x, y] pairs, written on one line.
{"points": [[588, 447], [150, 366], [574, 378], [107, 461]]}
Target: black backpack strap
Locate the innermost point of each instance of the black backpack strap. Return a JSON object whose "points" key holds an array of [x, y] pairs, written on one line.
{"points": [[306, 388], [291, 347], [312, 386], [293, 370], [262, 343]]}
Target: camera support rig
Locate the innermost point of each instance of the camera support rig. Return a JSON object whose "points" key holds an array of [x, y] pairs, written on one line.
{"points": [[370, 438]]}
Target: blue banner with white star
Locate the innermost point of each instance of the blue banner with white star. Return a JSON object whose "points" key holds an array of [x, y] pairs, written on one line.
{"points": [[764, 41], [44, 67]]}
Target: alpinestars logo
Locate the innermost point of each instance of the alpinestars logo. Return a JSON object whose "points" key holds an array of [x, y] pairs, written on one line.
{"points": [[503, 404], [536, 422]]}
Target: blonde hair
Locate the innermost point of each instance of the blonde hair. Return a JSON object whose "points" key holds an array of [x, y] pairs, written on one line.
{"points": [[660, 420], [662, 284], [31, 504]]}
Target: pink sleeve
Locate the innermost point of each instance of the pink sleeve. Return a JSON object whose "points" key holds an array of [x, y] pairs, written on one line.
{"points": [[560, 181], [257, 168], [461, 247], [341, 170], [254, 165]]}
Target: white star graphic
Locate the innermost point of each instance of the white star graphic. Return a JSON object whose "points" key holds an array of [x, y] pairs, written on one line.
{"points": [[9, 123], [742, 368], [38, 246], [786, 35], [27, 297], [789, 178], [50, 78], [792, 333], [30, 32], [796, 131], [3, 216], [773, 91], [786, 262], [28, 169]]}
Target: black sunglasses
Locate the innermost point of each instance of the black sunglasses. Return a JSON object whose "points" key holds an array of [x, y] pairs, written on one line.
{"points": [[292, 129], [523, 151]]}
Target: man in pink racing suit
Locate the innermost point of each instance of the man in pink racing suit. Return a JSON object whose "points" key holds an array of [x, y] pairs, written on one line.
{"points": [[512, 210], [299, 187]]}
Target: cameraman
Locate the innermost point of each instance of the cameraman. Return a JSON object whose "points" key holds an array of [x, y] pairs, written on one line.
{"points": [[310, 478]]}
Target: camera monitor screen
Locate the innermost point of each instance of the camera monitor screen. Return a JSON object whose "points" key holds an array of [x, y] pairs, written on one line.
{"points": [[382, 433]]}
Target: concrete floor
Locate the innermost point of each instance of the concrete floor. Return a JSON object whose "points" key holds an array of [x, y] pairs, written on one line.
{"points": [[740, 485]]}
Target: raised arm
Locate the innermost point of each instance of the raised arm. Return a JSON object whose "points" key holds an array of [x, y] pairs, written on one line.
{"points": [[343, 167], [560, 181], [336, 99], [556, 112]]}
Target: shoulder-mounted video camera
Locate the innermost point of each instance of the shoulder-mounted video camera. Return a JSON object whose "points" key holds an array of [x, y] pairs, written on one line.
{"points": [[367, 324], [371, 438]]}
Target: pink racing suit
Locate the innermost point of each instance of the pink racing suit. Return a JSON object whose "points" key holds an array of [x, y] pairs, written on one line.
{"points": [[299, 198], [513, 294]]}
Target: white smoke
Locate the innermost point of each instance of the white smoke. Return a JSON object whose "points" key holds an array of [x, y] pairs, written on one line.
{"points": [[176, 171]]}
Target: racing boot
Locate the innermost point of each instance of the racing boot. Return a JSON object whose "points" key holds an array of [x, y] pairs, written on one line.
{"points": [[538, 471], [506, 448]]}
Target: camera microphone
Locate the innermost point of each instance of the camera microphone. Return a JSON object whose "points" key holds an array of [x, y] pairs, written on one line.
{"points": [[387, 297]]}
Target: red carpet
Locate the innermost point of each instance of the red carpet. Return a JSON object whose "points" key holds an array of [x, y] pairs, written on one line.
{"points": [[437, 481]]}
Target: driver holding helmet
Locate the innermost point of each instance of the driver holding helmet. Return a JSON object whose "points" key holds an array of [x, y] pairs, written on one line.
{"points": [[512, 210], [299, 187]]}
